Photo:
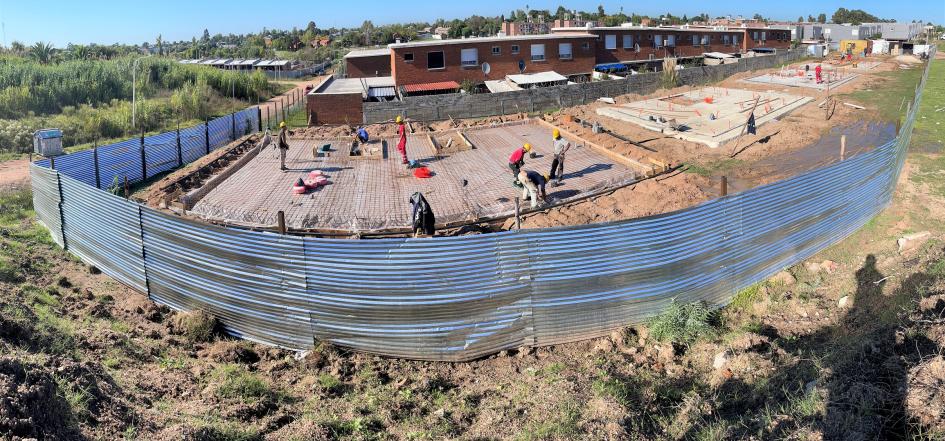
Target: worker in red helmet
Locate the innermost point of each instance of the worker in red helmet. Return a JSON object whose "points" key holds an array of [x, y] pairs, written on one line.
{"points": [[818, 71]]}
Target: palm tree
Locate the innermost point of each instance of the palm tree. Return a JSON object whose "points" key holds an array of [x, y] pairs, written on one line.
{"points": [[42, 52]]}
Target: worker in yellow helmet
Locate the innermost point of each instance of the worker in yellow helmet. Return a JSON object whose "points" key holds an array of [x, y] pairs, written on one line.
{"points": [[402, 143], [283, 144], [561, 147], [517, 159]]}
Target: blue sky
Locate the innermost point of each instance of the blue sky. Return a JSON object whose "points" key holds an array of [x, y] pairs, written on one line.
{"points": [[65, 21]]}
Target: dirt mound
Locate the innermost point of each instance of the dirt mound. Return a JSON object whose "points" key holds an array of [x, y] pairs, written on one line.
{"points": [[908, 59], [230, 351], [31, 406], [925, 397]]}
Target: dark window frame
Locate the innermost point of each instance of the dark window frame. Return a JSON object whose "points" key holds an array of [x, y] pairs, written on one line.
{"points": [[408, 57], [442, 60]]}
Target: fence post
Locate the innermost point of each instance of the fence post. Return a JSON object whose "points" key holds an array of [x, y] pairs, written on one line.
{"points": [[180, 153], [62, 216], [98, 177], [233, 127], [144, 259], [724, 189], [259, 118], [268, 118], [144, 160], [843, 145], [280, 218], [206, 135]]}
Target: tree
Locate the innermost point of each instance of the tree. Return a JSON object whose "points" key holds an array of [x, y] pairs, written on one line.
{"points": [[800, 19], [42, 52], [758, 17], [159, 42], [561, 13], [811, 19], [600, 12], [17, 47], [855, 16], [311, 27], [822, 18]]}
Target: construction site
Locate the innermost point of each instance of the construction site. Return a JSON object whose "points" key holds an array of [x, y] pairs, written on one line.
{"points": [[631, 156]]}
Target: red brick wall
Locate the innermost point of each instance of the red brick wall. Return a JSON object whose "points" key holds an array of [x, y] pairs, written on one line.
{"points": [[335, 108], [644, 37], [365, 67], [774, 38], [501, 65]]}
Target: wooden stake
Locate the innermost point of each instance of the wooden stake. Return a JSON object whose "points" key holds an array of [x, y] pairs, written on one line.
{"points": [[724, 190], [843, 145], [518, 219], [281, 219]]}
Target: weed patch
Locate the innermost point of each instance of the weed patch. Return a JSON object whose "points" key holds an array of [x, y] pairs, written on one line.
{"points": [[685, 323]]}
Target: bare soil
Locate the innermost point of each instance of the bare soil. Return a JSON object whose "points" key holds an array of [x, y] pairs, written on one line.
{"points": [[14, 174]]}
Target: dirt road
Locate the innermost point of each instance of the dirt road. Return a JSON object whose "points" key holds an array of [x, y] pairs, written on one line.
{"points": [[275, 104], [14, 174]]}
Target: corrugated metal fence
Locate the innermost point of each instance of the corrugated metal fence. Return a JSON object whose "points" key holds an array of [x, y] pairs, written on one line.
{"points": [[457, 298]]}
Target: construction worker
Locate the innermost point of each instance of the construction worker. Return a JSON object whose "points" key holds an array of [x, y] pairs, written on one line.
{"points": [[561, 147], [533, 186], [283, 144], [818, 71], [402, 144], [361, 135], [517, 160]]}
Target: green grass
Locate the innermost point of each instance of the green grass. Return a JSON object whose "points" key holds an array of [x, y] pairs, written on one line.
{"points": [[888, 96], [564, 424], [685, 323], [929, 124], [235, 382], [713, 168], [746, 298]]}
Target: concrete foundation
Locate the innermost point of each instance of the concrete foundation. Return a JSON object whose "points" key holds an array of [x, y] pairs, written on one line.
{"points": [[711, 116]]}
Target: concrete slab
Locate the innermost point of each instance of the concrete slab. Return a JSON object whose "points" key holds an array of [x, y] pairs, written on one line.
{"points": [[802, 75], [711, 116], [372, 194]]}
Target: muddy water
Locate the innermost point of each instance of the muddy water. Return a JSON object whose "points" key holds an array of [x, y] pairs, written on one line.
{"points": [[862, 136]]}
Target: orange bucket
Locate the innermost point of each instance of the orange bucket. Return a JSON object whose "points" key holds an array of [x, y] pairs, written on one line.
{"points": [[708, 100]]}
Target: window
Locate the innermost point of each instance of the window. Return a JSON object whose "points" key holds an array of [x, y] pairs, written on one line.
{"points": [[726, 39], [514, 49], [585, 45], [469, 57], [408, 57], [671, 41], [763, 36], [705, 40], [754, 35], [658, 41], [628, 41], [564, 51], [435, 60], [734, 40], [610, 42], [496, 50], [695, 40], [538, 52]]}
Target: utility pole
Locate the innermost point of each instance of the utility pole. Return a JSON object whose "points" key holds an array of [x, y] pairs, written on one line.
{"points": [[134, 103]]}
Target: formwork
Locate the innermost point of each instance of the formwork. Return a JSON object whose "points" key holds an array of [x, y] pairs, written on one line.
{"points": [[371, 193], [803, 75], [711, 115]]}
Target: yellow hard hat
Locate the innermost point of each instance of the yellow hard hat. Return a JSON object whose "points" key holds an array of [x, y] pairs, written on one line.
{"points": [[527, 147], [556, 134], [547, 176], [399, 119], [282, 125]]}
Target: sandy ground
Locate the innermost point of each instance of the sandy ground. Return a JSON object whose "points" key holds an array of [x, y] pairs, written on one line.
{"points": [[14, 174]]}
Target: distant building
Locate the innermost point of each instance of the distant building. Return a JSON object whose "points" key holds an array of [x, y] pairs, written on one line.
{"points": [[516, 28]]}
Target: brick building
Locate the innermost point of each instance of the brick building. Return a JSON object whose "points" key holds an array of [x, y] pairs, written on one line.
{"points": [[421, 62], [621, 44], [368, 63], [518, 28]]}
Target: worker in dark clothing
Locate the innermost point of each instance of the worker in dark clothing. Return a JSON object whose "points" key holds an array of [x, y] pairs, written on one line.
{"points": [[423, 218], [517, 159], [283, 144], [533, 186]]}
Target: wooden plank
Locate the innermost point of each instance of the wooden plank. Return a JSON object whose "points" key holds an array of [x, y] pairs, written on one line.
{"points": [[647, 170]]}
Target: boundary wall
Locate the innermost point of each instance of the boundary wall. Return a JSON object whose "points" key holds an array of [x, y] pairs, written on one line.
{"points": [[460, 298], [439, 107]]}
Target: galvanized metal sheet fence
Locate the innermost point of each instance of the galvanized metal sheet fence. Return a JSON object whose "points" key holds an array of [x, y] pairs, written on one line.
{"points": [[459, 298]]}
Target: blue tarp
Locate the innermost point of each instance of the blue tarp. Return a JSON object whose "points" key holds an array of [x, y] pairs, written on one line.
{"points": [[610, 67]]}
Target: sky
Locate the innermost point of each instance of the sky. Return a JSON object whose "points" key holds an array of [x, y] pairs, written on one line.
{"points": [[105, 22]]}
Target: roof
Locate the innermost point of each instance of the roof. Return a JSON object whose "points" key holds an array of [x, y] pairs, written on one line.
{"points": [[368, 53], [718, 55], [353, 85], [537, 78], [476, 40], [382, 92], [429, 87], [497, 86], [662, 29]]}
